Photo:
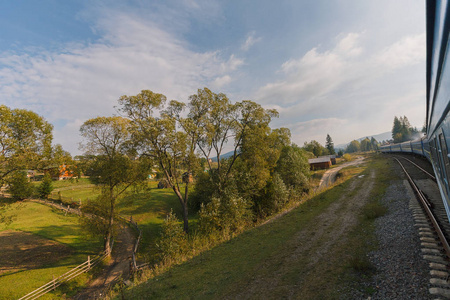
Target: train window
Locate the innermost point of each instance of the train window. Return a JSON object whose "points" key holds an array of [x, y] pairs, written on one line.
{"points": [[434, 156], [444, 150]]}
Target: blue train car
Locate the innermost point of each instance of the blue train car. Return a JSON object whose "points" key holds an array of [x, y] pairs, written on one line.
{"points": [[438, 93], [385, 148], [406, 147], [396, 148], [435, 146], [417, 146]]}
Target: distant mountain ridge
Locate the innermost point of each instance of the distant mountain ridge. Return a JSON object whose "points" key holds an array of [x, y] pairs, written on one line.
{"points": [[222, 156], [379, 137]]}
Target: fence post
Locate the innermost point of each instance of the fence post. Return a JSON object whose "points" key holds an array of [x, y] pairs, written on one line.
{"points": [[89, 262], [54, 283]]}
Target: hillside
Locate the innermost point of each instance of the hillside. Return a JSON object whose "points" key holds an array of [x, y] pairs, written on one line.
{"points": [[379, 137], [320, 246]]}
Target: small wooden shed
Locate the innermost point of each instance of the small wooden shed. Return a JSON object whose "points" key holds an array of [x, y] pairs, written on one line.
{"points": [[319, 163], [331, 157]]}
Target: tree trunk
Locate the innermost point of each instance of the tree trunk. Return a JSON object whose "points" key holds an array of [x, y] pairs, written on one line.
{"points": [[184, 207], [108, 242], [185, 218], [109, 232]]}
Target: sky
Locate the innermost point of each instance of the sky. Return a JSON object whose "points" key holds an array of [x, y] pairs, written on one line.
{"points": [[338, 67]]}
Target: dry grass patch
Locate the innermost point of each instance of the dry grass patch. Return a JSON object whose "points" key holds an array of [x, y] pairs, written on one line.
{"points": [[24, 251]]}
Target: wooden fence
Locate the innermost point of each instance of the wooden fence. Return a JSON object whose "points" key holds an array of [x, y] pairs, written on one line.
{"points": [[87, 265], [50, 286]]}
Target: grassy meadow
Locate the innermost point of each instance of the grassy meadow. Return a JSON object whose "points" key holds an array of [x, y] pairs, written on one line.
{"points": [[66, 246], [148, 206], [260, 252]]}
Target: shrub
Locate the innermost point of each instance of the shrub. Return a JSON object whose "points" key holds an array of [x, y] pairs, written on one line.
{"points": [[204, 190], [293, 168], [347, 157], [172, 244], [46, 187], [19, 187], [228, 214], [275, 197]]}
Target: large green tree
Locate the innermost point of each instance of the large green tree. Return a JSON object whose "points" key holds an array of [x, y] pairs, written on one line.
{"points": [[402, 130], [25, 139], [316, 148], [330, 145], [158, 133], [114, 169], [354, 146], [175, 140]]}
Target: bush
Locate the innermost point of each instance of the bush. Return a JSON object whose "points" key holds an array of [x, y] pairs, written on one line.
{"points": [[172, 244], [228, 214], [19, 187], [275, 198], [204, 190], [347, 157], [46, 187], [293, 168]]}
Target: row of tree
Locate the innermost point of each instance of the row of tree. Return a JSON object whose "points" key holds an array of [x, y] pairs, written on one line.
{"points": [[402, 130], [315, 149], [256, 180], [363, 145]]}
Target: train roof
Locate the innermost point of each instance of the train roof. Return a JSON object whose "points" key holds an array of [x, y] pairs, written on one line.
{"points": [[438, 29]]}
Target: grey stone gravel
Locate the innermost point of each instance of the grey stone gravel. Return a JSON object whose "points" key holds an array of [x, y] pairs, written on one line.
{"points": [[401, 271]]}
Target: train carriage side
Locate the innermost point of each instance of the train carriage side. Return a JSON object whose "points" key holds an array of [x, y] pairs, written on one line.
{"points": [[417, 147], [438, 93], [385, 148], [396, 148], [406, 147]]}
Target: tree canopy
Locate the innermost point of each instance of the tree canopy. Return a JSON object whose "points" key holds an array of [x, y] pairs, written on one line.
{"points": [[114, 168], [25, 139], [316, 148], [176, 143], [330, 145], [402, 130]]}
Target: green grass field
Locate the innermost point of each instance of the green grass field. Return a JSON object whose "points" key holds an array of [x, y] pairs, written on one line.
{"points": [[148, 206], [149, 209], [214, 273], [53, 226]]}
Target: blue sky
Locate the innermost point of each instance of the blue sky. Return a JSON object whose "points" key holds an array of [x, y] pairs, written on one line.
{"points": [[337, 67]]}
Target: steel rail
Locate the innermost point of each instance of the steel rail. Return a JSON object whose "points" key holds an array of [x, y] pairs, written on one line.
{"points": [[419, 167], [427, 209]]}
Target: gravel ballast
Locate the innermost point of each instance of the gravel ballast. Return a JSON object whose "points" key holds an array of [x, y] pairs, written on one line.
{"points": [[401, 271]]}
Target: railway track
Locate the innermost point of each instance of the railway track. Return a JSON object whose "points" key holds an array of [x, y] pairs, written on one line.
{"points": [[432, 223]]}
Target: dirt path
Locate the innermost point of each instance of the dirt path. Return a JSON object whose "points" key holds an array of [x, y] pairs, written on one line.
{"points": [[310, 252], [118, 266], [329, 177]]}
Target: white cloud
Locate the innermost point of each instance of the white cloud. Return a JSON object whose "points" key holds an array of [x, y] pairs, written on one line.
{"points": [[232, 64], [315, 92], [311, 128], [220, 82], [84, 81], [348, 46], [250, 41], [407, 51]]}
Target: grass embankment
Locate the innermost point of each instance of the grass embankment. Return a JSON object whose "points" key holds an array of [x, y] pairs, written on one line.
{"points": [[148, 206], [61, 246], [269, 261]]}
